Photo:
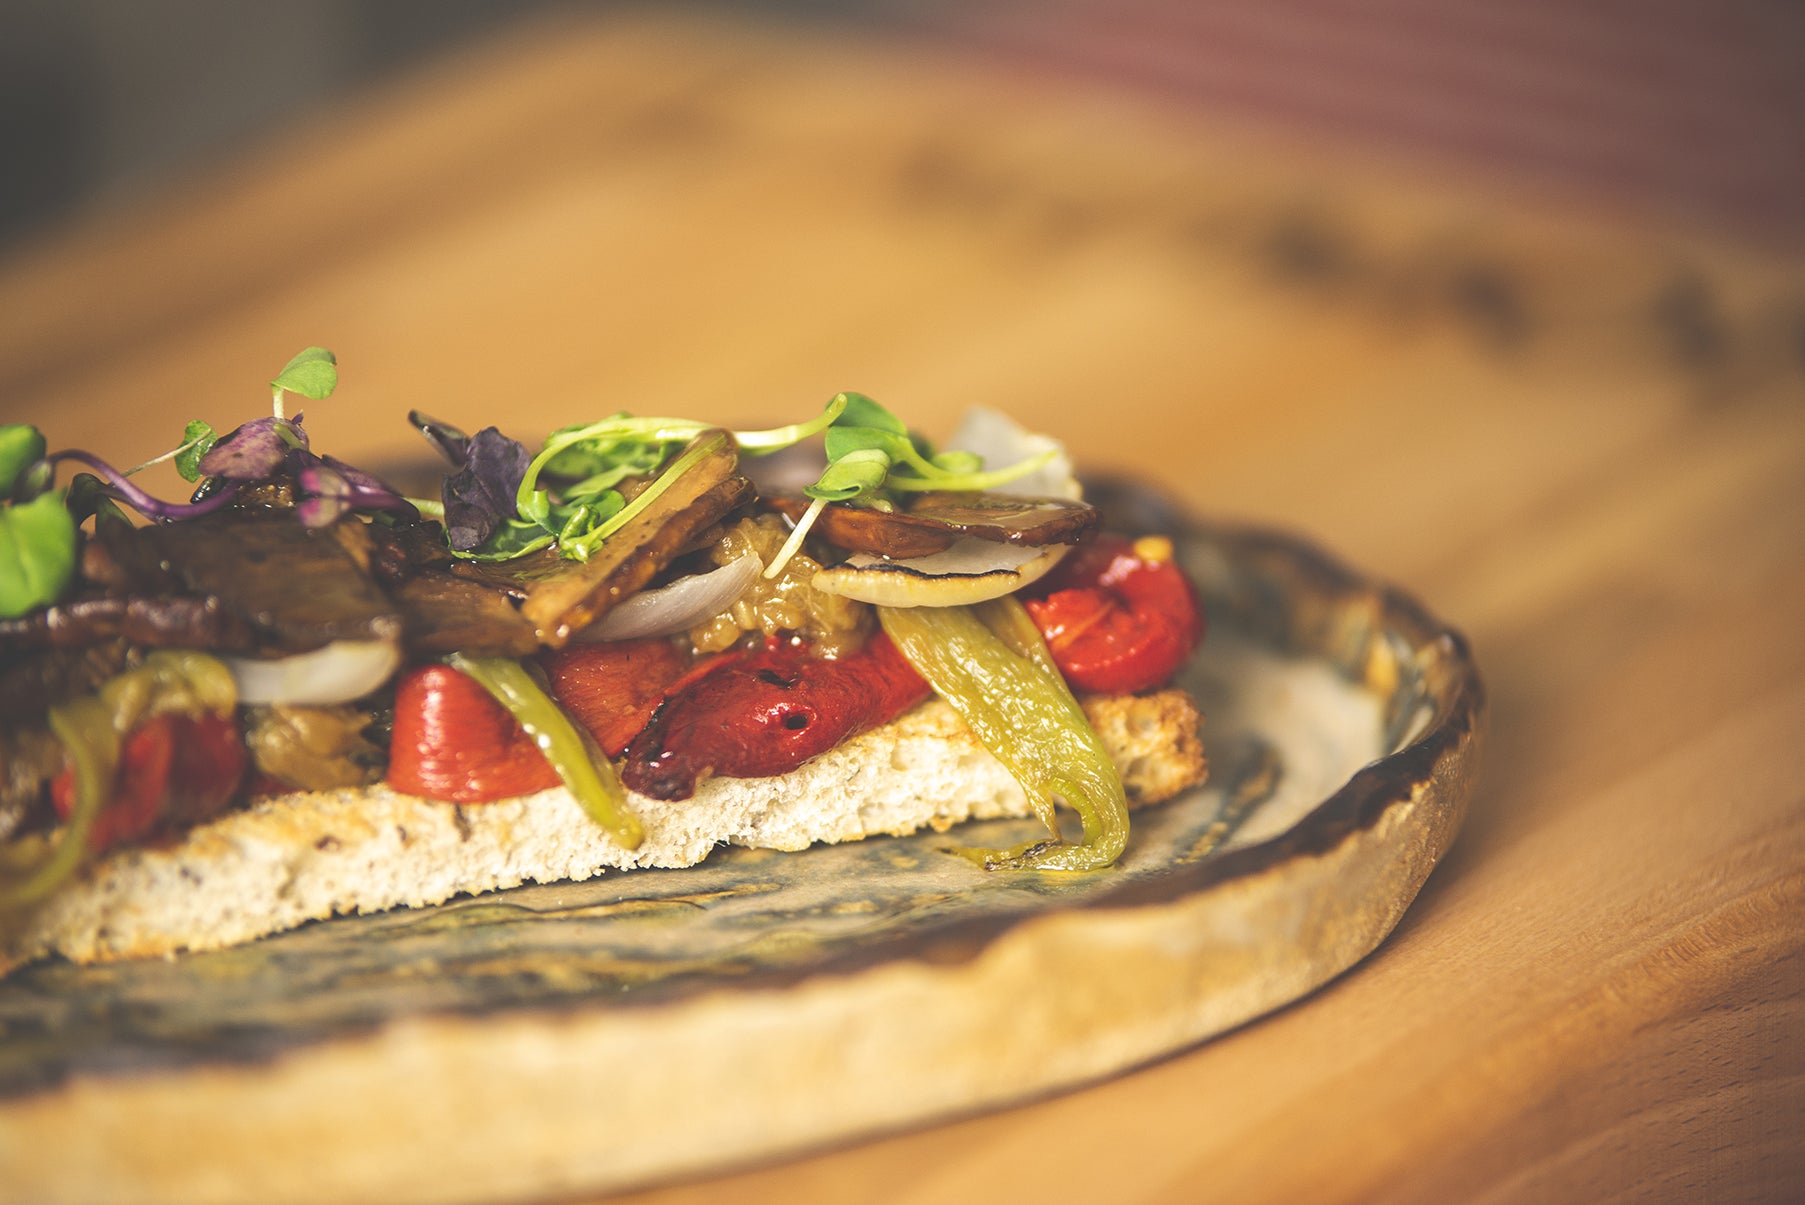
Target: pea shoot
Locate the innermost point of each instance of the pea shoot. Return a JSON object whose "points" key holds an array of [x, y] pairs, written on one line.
{"points": [[504, 503], [871, 454], [37, 532]]}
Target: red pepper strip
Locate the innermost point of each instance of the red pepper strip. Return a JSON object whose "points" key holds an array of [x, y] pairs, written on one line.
{"points": [[174, 771], [613, 688], [766, 712], [453, 741], [1121, 615]]}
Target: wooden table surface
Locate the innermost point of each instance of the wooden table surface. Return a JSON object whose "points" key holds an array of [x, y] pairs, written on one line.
{"points": [[1579, 438]]}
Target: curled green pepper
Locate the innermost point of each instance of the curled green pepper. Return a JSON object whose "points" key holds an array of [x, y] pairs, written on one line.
{"points": [[585, 771], [990, 664], [91, 729]]}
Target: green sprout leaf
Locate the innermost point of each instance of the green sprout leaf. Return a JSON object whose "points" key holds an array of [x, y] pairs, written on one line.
{"points": [[568, 493], [514, 538], [313, 373], [197, 440], [858, 472], [21, 446], [37, 554], [861, 411], [870, 453]]}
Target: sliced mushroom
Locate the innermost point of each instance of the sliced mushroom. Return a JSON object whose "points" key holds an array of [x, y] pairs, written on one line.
{"points": [[934, 521], [159, 621], [449, 613], [296, 587], [1008, 518], [971, 571]]}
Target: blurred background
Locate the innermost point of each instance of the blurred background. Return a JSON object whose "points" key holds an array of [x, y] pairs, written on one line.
{"points": [[1688, 111]]}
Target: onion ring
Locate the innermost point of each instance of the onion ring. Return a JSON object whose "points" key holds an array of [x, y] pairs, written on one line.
{"points": [[677, 607], [337, 673]]}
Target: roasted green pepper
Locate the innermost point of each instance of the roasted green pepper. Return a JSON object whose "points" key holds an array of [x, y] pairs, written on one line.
{"points": [[990, 664], [586, 771]]}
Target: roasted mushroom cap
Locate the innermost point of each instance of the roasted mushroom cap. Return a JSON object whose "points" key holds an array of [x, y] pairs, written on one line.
{"points": [[935, 521], [971, 571]]}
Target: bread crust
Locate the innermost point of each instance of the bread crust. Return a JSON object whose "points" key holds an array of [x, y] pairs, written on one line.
{"points": [[284, 861]]}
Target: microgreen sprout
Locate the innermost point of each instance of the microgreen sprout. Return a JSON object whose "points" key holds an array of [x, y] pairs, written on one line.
{"points": [[37, 533], [870, 453], [313, 373], [21, 446], [198, 439], [504, 502]]}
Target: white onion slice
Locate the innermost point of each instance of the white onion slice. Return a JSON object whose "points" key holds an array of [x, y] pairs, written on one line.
{"points": [[679, 606], [1002, 441], [971, 571], [339, 672]]}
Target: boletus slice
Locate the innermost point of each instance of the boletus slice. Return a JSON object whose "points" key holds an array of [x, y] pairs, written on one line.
{"points": [[935, 521]]}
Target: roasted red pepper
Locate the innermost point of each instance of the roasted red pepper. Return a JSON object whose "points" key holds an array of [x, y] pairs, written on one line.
{"points": [[767, 711], [453, 741], [612, 688], [1119, 615], [174, 771]]}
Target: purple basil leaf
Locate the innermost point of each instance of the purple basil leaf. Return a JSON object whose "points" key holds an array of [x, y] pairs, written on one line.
{"points": [[480, 496], [451, 443], [255, 450]]}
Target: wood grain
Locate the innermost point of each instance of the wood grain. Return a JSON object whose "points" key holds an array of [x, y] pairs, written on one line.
{"points": [[1580, 438]]}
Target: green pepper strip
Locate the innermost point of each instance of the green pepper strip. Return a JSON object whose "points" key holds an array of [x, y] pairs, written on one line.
{"points": [[586, 771], [93, 749], [990, 664]]}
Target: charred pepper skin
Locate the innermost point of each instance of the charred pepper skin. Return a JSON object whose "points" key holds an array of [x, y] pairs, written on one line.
{"points": [[767, 711]]}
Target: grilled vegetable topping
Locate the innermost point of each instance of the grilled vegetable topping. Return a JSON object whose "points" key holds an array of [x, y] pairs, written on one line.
{"points": [[936, 520], [535, 551], [763, 712], [589, 777], [93, 730], [312, 748], [786, 603], [990, 663], [453, 741], [1121, 616]]}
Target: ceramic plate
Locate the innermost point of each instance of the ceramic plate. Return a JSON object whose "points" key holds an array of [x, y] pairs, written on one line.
{"points": [[642, 1026]]}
